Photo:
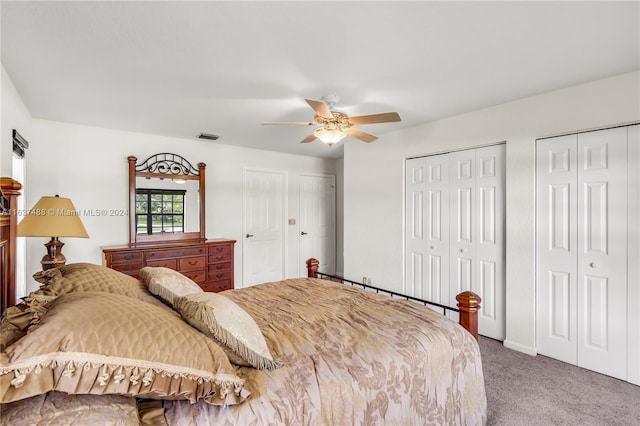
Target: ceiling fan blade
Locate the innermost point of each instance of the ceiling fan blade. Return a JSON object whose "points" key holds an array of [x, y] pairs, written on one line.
{"points": [[310, 138], [320, 108], [386, 117], [291, 123], [359, 134]]}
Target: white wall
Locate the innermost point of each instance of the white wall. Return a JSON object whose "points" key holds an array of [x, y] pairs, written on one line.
{"points": [[89, 165], [15, 115], [373, 192]]}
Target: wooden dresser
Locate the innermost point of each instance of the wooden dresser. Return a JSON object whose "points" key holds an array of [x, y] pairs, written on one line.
{"points": [[208, 263]]}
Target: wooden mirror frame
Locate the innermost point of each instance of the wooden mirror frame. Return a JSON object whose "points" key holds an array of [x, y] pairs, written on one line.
{"points": [[165, 165]]}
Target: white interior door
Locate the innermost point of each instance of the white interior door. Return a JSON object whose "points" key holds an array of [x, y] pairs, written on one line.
{"points": [[477, 253], [455, 236], [602, 251], [633, 264], [427, 221], [556, 246], [582, 250], [489, 281], [318, 222], [263, 223], [415, 216], [463, 223]]}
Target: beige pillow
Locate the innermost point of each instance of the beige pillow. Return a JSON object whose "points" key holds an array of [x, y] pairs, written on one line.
{"points": [[89, 277], [103, 343], [230, 326], [71, 278], [168, 284]]}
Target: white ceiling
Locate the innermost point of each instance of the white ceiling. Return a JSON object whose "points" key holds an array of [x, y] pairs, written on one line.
{"points": [[181, 68]]}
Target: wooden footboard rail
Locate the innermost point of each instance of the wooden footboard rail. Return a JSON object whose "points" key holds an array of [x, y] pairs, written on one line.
{"points": [[468, 301]]}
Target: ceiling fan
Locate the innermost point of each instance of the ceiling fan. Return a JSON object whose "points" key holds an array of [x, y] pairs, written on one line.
{"points": [[335, 124]]}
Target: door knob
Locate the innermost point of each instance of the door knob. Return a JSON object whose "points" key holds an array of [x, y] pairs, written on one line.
{"points": [[462, 250], [432, 247], [592, 264], [303, 233], [249, 235]]}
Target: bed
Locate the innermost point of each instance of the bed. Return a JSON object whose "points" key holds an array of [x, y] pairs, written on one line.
{"points": [[93, 345]]}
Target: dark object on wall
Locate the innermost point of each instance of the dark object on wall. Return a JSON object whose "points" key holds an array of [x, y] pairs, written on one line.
{"points": [[19, 144]]}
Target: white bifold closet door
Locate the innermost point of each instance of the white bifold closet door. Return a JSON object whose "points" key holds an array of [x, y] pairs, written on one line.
{"points": [[455, 230], [582, 247]]}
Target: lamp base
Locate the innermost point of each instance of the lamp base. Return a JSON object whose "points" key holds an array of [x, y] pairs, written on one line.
{"points": [[54, 257]]}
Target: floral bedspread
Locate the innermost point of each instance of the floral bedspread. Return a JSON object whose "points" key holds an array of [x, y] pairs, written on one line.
{"points": [[350, 357]]}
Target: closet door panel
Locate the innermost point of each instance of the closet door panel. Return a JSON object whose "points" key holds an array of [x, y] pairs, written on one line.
{"points": [[437, 242], [556, 247], [490, 239], [602, 251], [633, 299], [427, 210], [415, 181], [463, 222]]}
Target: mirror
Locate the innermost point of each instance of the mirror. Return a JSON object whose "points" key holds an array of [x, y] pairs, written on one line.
{"points": [[166, 200]]}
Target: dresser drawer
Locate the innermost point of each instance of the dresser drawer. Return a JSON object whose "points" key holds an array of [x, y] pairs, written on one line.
{"points": [[126, 257], [219, 275], [128, 268], [192, 263], [173, 253], [217, 286], [217, 267], [221, 257], [221, 249], [165, 263], [198, 276]]}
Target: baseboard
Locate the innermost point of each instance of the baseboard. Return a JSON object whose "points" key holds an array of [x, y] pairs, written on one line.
{"points": [[520, 348]]}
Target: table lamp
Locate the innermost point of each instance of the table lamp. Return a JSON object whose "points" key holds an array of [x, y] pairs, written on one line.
{"points": [[52, 217]]}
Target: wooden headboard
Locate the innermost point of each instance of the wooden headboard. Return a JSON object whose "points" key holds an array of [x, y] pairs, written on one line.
{"points": [[8, 228]]}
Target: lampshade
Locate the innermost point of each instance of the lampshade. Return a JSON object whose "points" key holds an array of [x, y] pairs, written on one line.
{"points": [[52, 217], [329, 135]]}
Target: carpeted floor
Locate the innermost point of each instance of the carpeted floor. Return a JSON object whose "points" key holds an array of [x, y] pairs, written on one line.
{"points": [[527, 390]]}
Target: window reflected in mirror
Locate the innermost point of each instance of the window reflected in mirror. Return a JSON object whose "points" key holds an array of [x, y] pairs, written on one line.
{"points": [[159, 211]]}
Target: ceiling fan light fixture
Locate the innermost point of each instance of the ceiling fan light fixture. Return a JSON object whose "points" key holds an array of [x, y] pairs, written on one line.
{"points": [[330, 135], [336, 125]]}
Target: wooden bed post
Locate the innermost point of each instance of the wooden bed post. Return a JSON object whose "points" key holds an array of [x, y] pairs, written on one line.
{"points": [[8, 229], [312, 267], [469, 304]]}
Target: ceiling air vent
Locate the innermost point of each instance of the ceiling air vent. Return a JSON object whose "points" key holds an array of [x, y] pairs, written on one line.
{"points": [[208, 136]]}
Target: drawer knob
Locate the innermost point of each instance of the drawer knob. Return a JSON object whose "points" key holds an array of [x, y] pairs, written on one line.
{"points": [[193, 262], [219, 275], [219, 248]]}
